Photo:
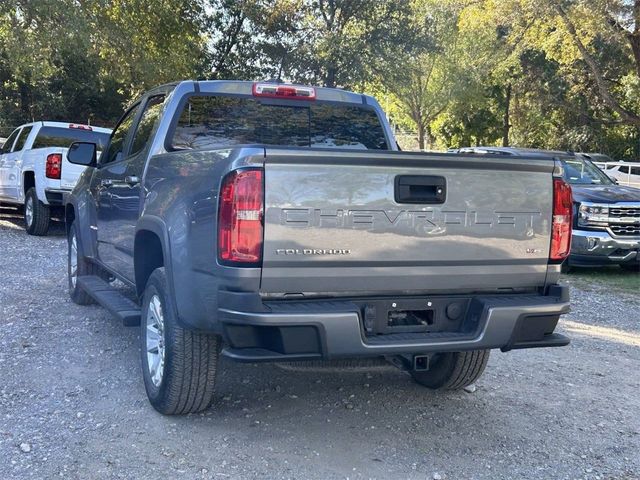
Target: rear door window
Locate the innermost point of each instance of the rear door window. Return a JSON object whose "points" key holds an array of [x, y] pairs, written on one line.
{"points": [[22, 139], [118, 138], [145, 126], [63, 137], [220, 121]]}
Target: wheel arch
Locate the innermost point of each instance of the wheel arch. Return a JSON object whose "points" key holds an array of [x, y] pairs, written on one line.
{"points": [[151, 251], [28, 181], [73, 212], [69, 216]]}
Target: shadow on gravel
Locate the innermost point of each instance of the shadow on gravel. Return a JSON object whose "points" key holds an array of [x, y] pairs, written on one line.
{"points": [[372, 401], [12, 218]]}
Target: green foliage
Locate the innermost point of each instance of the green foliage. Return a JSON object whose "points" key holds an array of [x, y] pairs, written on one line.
{"points": [[560, 74], [82, 61]]}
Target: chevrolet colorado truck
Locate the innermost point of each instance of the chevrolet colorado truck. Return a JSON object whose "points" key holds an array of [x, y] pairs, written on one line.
{"points": [[606, 216], [34, 172], [271, 222]]}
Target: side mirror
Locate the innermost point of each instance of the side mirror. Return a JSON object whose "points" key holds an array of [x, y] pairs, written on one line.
{"points": [[82, 153]]}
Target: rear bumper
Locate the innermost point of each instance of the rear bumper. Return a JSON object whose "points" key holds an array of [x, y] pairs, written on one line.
{"points": [[334, 329], [56, 196], [599, 248]]}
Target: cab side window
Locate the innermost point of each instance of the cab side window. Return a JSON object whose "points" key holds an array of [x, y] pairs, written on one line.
{"points": [[118, 138]]}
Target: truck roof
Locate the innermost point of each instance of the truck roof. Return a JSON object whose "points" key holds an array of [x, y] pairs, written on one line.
{"points": [[68, 125], [243, 87]]}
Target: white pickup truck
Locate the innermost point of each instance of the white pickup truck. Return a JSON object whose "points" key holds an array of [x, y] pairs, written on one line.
{"points": [[34, 171]]}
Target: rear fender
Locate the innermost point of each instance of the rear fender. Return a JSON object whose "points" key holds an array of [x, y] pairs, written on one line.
{"points": [[36, 161], [42, 182], [156, 225]]}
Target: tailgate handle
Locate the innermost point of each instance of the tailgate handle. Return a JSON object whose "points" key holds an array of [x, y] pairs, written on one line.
{"points": [[420, 189]]}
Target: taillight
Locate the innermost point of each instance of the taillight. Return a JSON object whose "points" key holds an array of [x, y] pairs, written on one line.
{"points": [[240, 217], [273, 90], [53, 168], [562, 220]]}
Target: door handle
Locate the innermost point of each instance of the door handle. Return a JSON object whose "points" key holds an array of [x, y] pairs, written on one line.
{"points": [[429, 189], [132, 180], [106, 182]]}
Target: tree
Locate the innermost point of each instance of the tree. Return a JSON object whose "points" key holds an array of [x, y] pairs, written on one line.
{"points": [[335, 43], [422, 73], [83, 60], [622, 25]]}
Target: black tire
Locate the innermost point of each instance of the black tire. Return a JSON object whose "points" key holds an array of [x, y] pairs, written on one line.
{"points": [[187, 380], [566, 267], [83, 267], [453, 370], [36, 218]]}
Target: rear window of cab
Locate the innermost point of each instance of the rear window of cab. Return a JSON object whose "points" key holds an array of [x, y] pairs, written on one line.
{"points": [[63, 137], [208, 122]]}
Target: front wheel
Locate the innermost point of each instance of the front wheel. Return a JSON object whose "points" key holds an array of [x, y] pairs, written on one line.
{"points": [[36, 214], [178, 365], [453, 370], [77, 265]]}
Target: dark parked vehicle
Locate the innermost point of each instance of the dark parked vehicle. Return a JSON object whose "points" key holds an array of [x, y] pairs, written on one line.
{"points": [[276, 222], [606, 228]]}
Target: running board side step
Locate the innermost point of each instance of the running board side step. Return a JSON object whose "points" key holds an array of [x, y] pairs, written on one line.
{"points": [[115, 302]]}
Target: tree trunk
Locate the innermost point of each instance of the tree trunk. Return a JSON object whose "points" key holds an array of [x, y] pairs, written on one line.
{"points": [[429, 138], [421, 135], [25, 100], [330, 82], [506, 124]]}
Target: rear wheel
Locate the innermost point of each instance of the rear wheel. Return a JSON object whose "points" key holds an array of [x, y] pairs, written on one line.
{"points": [[178, 365], [36, 214], [453, 370]]}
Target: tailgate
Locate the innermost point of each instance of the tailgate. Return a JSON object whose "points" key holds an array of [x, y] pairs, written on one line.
{"points": [[364, 222], [70, 172]]}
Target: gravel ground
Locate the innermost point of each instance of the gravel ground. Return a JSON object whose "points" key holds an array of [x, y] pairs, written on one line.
{"points": [[72, 403]]}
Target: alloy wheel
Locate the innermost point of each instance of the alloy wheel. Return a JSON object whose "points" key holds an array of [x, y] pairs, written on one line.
{"points": [[73, 261], [155, 340], [28, 211]]}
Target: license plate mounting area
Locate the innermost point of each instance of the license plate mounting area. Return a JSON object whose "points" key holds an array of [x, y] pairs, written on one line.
{"points": [[414, 315]]}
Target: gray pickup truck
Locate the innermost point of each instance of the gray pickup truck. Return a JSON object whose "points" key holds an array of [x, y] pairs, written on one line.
{"points": [[276, 222]]}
